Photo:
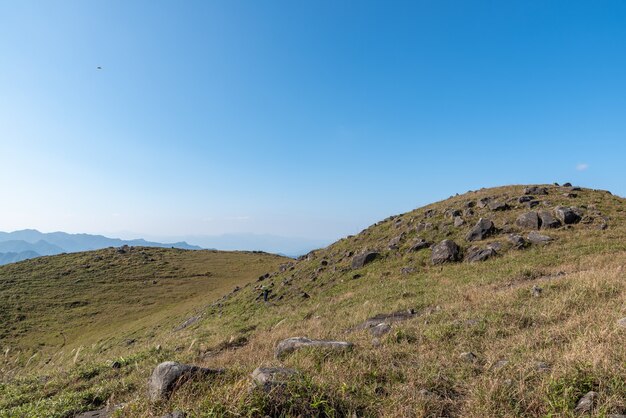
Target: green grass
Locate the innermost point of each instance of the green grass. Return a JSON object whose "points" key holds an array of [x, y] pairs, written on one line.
{"points": [[486, 308]]}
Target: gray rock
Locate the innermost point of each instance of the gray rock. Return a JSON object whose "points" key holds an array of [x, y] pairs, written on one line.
{"points": [[532, 203], [517, 240], [387, 319], [175, 414], [548, 221], [537, 238], [452, 213], [536, 190], [497, 206], [267, 378], [100, 413], [475, 254], [542, 366], [526, 198], [166, 376], [458, 221], [622, 322], [423, 226], [528, 220], [567, 215], [445, 252], [468, 212], [536, 291], [380, 329], [363, 259], [585, 404], [482, 203], [500, 364], [483, 228], [419, 244], [616, 416], [292, 344], [469, 357]]}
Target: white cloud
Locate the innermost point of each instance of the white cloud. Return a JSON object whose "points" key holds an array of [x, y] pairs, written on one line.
{"points": [[582, 166]]}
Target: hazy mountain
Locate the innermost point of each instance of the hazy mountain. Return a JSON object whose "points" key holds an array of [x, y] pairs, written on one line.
{"points": [[29, 243]]}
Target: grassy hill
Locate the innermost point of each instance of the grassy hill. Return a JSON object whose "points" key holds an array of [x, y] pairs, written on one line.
{"points": [[527, 332]]}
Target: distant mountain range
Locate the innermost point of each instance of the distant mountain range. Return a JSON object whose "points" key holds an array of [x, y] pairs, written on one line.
{"points": [[30, 243]]}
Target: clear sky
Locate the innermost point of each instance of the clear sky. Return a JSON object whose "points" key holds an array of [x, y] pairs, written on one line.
{"points": [[298, 118]]}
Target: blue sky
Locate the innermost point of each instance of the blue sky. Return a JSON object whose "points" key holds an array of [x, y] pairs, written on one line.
{"points": [[297, 118]]}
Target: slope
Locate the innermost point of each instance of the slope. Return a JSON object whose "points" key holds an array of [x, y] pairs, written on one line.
{"points": [[526, 331]]}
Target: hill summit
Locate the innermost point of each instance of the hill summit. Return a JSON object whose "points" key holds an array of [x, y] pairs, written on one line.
{"points": [[499, 302]]}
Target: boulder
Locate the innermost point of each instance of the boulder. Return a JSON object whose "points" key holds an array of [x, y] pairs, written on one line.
{"points": [[469, 357], [483, 228], [525, 198], [528, 220], [419, 244], [497, 206], [267, 378], [386, 319], [482, 203], [531, 204], [567, 215], [423, 226], [292, 344], [548, 221], [458, 221], [444, 252], [585, 404], [468, 212], [380, 329], [536, 190], [517, 240], [475, 254], [537, 238], [166, 376], [362, 259]]}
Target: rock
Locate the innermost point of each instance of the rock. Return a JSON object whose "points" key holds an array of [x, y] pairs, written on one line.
{"points": [[500, 364], [567, 215], [528, 220], [407, 270], [497, 206], [419, 244], [380, 329], [535, 190], [292, 344], [387, 319], [524, 199], [616, 416], [423, 226], [425, 393], [482, 203], [536, 291], [394, 243], [541, 366], [468, 212], [622, 322], [452, 213], [475, 254], [430, 213], [496, 246], [363, 259], [483, 228], [166, 376], [175, 414], [548, 221], [536, 238], [267, 378], [531, 204], [469, 357], [444, 252], [585, 404], [517, 240], [100, 413], [116, 365], [458, 221], [568, 184]]}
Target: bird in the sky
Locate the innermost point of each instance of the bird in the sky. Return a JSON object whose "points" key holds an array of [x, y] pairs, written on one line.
{"points": [[99, 68]]}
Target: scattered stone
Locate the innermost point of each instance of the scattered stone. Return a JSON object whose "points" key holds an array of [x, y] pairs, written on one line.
{"points": [[483, 228], [453, 213], [475, 254], [425, 393], [116, 365], [423, 226], [387, 319], [497, 206], [500, 364], [548, 221], [570, 195], [517, 240], [585, 404], [536, 190], [482, 203], [567, 215], [468, 212], [407, 270], [469, 357], [305, 295], [166, 376], [394, 243], [363, 259], [189, 321], [532, 203], [541, 366], [446, 251], [526, 198], [292, 344], [496, 246], [529, 220], [616, 416], [100, 413], [430, 213], [380, 329], [568, 184], [175, 414], [267, 378], [622, 322], [419, 244], [536, 291], [376, 342], [458, 221], [537, 238]]}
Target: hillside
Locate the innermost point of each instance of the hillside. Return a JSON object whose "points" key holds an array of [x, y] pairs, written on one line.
{"points": [[30, 243], [496, 303]]}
